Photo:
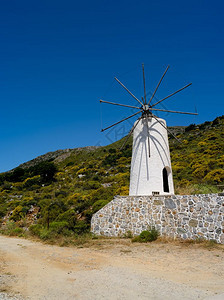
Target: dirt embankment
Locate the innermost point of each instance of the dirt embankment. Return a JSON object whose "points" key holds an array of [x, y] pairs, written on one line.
{"points": [[110, 269]]}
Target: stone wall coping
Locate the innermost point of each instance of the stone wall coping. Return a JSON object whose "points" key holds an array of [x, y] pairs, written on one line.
{"points": [[168, 196]]}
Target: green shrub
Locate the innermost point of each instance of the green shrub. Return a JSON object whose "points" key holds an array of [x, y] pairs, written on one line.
{"points": [[81, 227], [154, 233], [6, 186], [12, 229], [204, 189], [216, 176], [17, 213], [147, 236], [29, 182], [55, 230], [17, 175], [58, 227], [71, 163], [190, 127], [88, 215], [91, 185], [45, 169], [98, 205], [17, 231], [46, 234], [3, 210], [35, 229], [50, 210], [61, 193], [69, 217]]}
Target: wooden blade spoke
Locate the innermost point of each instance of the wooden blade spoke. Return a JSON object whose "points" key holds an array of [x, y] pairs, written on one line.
{"points": [[128, 91], [172, 94], [173, 111], [158, 84], [133, 128], [166, 128], [147, 125], [195, 110], [144, 83], [102, 101], [121, 121]]}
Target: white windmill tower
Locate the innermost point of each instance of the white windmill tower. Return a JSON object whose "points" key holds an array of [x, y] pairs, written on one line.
{"points": [[151, 172]]}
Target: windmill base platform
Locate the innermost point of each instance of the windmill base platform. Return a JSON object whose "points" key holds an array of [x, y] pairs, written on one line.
{"points": [[186, 217]]}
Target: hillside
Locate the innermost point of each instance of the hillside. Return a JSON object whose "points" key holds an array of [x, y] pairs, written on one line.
{"points": [[61, 190]]}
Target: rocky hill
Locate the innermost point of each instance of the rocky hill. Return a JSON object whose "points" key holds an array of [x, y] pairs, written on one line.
{"points": [[55, 156], [62, 189]]}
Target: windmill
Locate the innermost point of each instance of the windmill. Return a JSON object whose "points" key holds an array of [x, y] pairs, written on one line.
{"points": [[151, 172]]}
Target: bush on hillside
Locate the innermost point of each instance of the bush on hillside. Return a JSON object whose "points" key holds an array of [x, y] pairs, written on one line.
{"points": [[216, 175], [35, 229], [17, 213], [69, 217], [81, 227], [98, 205], [190, 127], [46, 170]]}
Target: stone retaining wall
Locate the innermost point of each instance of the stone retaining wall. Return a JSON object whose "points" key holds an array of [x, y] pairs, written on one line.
{"points": [[187, 217]]}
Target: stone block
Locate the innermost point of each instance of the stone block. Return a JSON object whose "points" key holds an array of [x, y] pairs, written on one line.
{"points": [[193, 223], [222, 239], [218, 231], [208, 199], [158, 202], [200, 224], [209, 219], [181, 230], [169, 203]]}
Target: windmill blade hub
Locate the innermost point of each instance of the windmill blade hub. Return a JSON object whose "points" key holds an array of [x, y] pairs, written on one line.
{"points": [[145, 107]]}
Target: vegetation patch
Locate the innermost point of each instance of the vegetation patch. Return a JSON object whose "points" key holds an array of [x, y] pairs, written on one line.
{"points": [[56, 194], [147, 236]]}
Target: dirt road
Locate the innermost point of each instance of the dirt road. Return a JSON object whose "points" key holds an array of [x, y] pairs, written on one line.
{"points": [[110, 270]]}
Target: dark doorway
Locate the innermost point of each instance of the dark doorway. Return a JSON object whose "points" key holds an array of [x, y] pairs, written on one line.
{"points": [[165, 181]]}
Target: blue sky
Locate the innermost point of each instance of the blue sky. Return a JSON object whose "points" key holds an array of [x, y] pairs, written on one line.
{"points": [[58, 58]]}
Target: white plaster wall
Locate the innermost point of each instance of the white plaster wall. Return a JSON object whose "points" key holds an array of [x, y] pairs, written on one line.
{"points": [[146, 172]]}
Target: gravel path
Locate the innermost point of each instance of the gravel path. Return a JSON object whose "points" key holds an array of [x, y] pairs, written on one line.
{"points": [[109, 270], [5, 296]]}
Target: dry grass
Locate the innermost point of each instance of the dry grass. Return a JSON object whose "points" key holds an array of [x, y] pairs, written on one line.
{"points": [[185, 190], [101, 242], [126, 244], [196, 243]]}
